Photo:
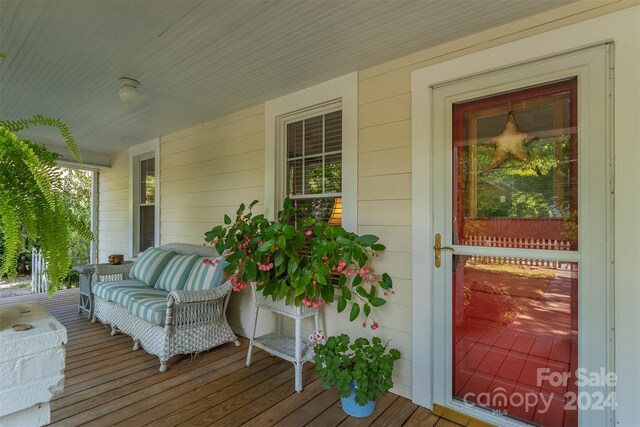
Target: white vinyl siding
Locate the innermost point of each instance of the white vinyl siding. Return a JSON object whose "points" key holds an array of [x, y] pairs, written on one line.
{"points": [[113, 207], [207, 171]]}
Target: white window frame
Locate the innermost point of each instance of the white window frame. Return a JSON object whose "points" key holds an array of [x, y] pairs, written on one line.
{"points": [[340, 93], [137, 153]]}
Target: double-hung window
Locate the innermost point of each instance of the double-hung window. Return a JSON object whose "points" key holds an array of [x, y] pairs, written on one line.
{"points": [[146, 203], [314, 164], [311, 151], [144, 187]]}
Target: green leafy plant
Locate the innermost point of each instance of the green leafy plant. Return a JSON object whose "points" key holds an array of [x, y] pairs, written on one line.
{"points": [[308, 263], [31, 200], [369, 364]]}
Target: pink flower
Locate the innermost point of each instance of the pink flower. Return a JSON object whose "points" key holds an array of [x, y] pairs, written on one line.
{"points": [[260, 243], [308, 232], [364, 325], [374, 325]]}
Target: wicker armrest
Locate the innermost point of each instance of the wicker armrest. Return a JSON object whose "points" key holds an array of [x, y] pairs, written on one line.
{"points": [[182, 297], [108, 269]]}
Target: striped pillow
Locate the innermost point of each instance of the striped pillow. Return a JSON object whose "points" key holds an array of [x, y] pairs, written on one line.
{"points": [[176, 272], [204, 275], [148, 267]]}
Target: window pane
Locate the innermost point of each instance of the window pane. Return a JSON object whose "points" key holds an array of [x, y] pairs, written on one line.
{"points": [[333, 131], [147, 182], [515, 163], [147, 227], [294, 177], [333, 173], [514, 319], [313, 136], [313, 176], [294, 139]]}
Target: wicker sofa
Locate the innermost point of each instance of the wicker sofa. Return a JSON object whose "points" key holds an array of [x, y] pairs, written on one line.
{"points": [[169, 301]]}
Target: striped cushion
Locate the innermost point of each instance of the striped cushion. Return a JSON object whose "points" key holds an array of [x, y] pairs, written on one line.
{"points": [[205, 276], [122, 297], [148, 267], [105, 289], [176, 272], [152, 309]]}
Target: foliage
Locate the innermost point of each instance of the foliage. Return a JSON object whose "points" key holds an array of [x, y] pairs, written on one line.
{"points": [[297, 262], [524, 189], [31, 201], [368, 363]]}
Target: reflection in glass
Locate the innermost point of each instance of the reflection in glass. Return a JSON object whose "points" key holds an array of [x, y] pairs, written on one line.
{"points": [[515, 169], [314, 156], [513, 319], [147, 181], [333, 173], [313, 171]]}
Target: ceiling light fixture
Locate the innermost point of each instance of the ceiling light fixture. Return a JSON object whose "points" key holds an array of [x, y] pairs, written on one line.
{"points": [[128, 92]]}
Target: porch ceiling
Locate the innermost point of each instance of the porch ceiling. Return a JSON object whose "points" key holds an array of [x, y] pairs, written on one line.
{"points": [[198, 60]]}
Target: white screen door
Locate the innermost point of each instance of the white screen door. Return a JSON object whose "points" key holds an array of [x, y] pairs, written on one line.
{"points": [[520, 226]]}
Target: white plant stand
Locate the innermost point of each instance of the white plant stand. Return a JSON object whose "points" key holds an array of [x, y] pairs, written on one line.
{"points": [[291, 349]]}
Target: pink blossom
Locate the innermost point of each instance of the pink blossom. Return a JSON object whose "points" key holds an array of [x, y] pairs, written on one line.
{"points": [[364, 325], [308, 232], [265, 267], [210, 262], [260, 243], [374, 325]]}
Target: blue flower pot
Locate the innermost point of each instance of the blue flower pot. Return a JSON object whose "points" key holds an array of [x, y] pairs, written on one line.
{"points": [[353, 408]]}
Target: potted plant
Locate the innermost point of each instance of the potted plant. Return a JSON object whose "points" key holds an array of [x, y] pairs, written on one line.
{"points": [[360, 371], [302, 260], [31, 199]]}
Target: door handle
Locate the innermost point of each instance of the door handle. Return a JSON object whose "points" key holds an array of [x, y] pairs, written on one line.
{"points": [[438, 250]]}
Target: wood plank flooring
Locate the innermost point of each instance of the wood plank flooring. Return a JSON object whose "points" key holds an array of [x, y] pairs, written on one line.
{"points": [[108, 384]]}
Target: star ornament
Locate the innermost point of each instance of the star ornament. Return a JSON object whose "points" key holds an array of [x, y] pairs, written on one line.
{"points": [[510, 143]]}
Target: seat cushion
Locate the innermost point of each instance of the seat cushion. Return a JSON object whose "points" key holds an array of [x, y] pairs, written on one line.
{"points": [[175, 273], [151, 308], [204, 275], [105, 289], [149, 266], [122, 296]]}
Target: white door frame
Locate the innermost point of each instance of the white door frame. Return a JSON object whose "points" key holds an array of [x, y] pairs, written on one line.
{"points": [[622, 28], [590, 67]]}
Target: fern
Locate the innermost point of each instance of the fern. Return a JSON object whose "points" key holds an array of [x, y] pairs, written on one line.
{"points": [[38, 120], [31, 202]]}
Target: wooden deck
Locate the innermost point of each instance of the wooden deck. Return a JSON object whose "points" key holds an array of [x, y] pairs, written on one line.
{"points": [[108, 384]]}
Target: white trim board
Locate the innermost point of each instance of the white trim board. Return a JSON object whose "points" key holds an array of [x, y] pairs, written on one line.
{"points": [[344, 89], [148, 147], [623, 29]]}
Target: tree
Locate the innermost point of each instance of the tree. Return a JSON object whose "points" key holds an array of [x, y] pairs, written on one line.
{"points": [[526, 188]]}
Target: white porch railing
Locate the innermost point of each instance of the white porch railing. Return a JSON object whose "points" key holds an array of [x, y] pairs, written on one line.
{"points": [[509, 242], [39, 280]]}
